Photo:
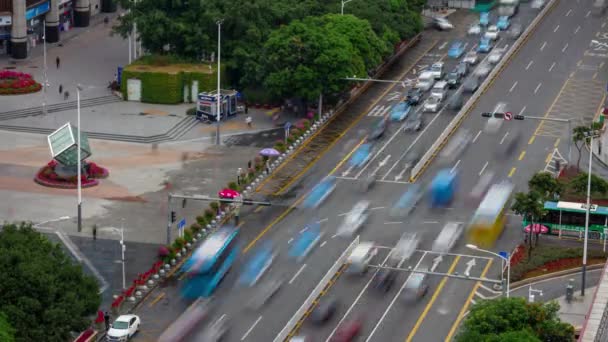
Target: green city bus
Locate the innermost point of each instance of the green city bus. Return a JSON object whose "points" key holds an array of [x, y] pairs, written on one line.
{"points": [[568, 219]]}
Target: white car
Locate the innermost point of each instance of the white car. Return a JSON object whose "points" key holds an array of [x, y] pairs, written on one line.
{"points": [[492, 32], [355, 219], [482, 70], [437, 70], [426, 80], [495, 56], [123, 328], [442, 23], [482, 185], [456, 146], [474, 29], [264, 293], [406, 246], [537, 4], [470, 58], [450, 234], [493, 125], [432, 104]]}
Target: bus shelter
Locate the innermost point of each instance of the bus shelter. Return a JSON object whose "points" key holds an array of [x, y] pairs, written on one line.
{"points": [[206, 105]]}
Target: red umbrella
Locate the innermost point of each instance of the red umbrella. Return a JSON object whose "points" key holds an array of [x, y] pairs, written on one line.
{"points": [[537, 228], [228, 193]]}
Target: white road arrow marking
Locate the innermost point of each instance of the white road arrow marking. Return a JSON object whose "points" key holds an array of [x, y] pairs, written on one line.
{"points": [[442, 46], [345, 173], [470, 265], [436, 263], [382, 163], [400, 175]]}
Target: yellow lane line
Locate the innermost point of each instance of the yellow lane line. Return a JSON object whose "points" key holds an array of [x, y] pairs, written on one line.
{"points": [[548, 159], [432, 301], [556, 143], [348, 128], [512, 172], [296, 203], [241, 224], [540, 124], [467, 303], [258, 209], [531, 140], [159, 297], [594, 76], [521, 156]]}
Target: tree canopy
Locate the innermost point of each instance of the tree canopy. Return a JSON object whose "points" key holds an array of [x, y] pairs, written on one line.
{"points": [[546, 185], [513, 319], [43, 293], [7, 332], [188, 29], [529, 205]]}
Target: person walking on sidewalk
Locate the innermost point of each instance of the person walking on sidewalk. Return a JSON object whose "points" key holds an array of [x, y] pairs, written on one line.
{"points": [[60, 89], [58, 61], [106, 319], [248, 120]]}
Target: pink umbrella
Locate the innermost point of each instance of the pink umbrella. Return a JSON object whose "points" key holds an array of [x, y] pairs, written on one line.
{"points": [[537, 228], [229, 193]]}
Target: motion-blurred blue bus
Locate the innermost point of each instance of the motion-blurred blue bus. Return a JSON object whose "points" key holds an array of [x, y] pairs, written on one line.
{"points": [[210, 263]]}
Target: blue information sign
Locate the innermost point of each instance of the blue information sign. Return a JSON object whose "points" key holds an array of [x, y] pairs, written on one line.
{"points": [[504, 255], [181, 224]]}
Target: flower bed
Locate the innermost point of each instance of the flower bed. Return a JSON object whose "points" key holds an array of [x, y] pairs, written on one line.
{"points": [[16, 83], [47, 176]]}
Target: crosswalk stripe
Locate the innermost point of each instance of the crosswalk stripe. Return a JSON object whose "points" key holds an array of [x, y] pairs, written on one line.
{"points": [[379, 111]]}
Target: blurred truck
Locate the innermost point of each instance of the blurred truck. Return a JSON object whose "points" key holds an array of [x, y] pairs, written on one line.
{"points": [[443, 188]]}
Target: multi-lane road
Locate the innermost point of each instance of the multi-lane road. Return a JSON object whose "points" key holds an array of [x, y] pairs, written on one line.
{"points": [[559, 72]]}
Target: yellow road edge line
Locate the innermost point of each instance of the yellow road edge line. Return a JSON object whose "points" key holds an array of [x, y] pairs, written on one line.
{"points": [[432, 301], [512, 172], [531, 140], [258, 209], [557, 142], [561, 90], [522, 155], [467, 303], [339, 165], [159, 297], [240, 224], [348, 128], [548, 159]]}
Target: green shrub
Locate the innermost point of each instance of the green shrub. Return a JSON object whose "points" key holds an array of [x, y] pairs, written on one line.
{"points": [[214, 206], [209, 214], [233, 186], [179, 243], [201, 220], [188, 234], [196, 227], [280, 147], [290, 139]]}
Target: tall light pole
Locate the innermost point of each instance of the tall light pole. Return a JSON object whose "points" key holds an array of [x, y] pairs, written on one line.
{"points": [[123, 248], [79, 181], [46, 79], [592, 133], [344, 2], [219, 95], [507, 260]]}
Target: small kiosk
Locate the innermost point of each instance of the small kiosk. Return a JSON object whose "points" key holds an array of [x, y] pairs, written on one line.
{"points": [[206, 105]]}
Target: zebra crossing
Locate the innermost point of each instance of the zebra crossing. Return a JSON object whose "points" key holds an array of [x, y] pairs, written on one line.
{"points": [[379, 110], [555, 161]]}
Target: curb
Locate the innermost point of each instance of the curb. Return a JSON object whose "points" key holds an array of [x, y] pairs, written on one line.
{"points": [[554, 275]]}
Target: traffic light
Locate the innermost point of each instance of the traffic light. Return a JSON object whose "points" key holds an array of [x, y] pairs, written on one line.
{"points": [[496, 115], [519, 117], [499, 115], [172, 216], [486, 115]]}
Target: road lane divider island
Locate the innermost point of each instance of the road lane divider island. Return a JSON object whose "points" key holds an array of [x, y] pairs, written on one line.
{"points": [[453, 126]]}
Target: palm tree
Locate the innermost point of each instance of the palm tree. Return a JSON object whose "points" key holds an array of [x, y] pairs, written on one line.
{"points": [[532, 207]]}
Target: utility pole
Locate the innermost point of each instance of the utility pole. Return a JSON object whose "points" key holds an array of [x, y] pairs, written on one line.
{"points": [[591, 135], [219, 95]]}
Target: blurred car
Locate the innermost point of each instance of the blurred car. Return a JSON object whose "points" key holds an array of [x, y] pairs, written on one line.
{"points": [[503, 23], [515, 31], [257, 265], [359, 259], [456, 101], [361, 156], [492, 32], [320, 193], [474, 29], [355, 219], [217, 330], [454, 79], [324, 311], [495, 56], [471, 58], [448, 237], [123, 328], [368, 181], [482, 70], [305, 242], [440, 90], [456, 145], [485, 45], [599, 7], [299, 338], [537, 4], [415, 288], [432, 104], [400, 111], [483, 184], [413, 125], [442, 24], [413, 96], [425, 81], [412, 158], [456, 49], [406, 246], [347, 331], [407, 202], [462, 68], [512, 145], [493, 125], [265, 292], [471, 84], [437, 70], [379, 129], [484, 18], [384, 279]]}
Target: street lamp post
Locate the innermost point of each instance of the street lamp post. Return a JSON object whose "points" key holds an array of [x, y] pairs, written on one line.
{"points": [[46, 79], [344, 2], [79, 165], [219, 96], [123, 248], [585, 239], [507, 260]]}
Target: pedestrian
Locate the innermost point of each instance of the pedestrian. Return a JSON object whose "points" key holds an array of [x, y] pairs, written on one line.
{"points": [[106, 319], [66, 95], [60, 89], [246, 109], [94, 232], [236, 218], [58, 61], [248, 120], [267, 166], [249, 165]]}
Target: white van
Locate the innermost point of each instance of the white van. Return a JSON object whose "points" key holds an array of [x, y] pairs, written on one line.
{"points": [[426, 80], [440, 90]]}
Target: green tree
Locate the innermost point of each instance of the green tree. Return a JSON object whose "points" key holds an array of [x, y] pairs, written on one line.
{"points": [[579, 138], [7, 332], [579, 184], [43, 293], [545, 184], [513, 319], [531, 207]]}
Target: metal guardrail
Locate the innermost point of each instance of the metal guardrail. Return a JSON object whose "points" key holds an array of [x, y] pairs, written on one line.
{"points": [[292, 324], [431, 153]]}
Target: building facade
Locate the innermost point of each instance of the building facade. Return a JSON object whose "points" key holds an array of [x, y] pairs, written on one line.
{"points": [[23, 23]]}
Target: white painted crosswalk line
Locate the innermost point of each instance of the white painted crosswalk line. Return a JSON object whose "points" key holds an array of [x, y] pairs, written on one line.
{"points": [[394, 96], [379, 111]]}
